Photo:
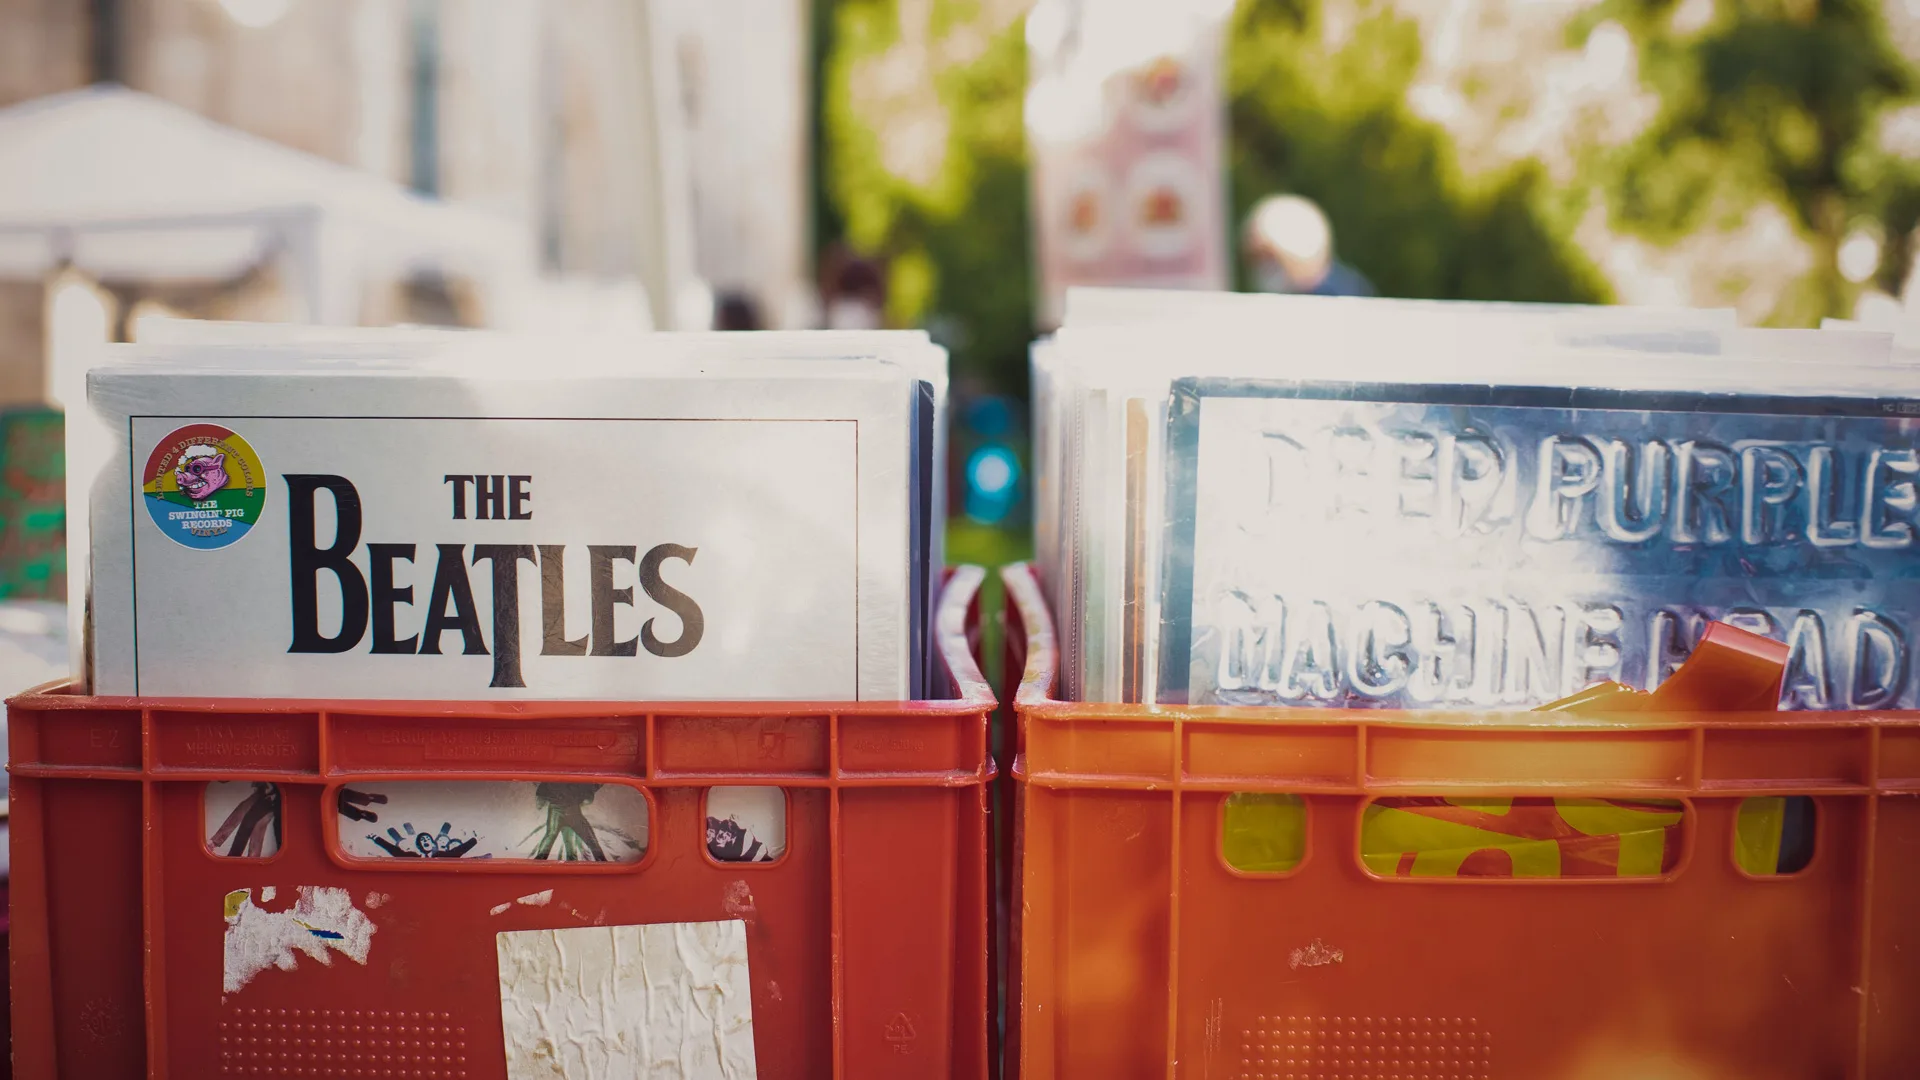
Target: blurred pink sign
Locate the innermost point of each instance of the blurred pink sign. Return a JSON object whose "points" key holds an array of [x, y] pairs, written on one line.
{"points": [[1126, 131]]}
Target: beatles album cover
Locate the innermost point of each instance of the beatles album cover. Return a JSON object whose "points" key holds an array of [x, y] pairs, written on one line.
{"points": [[306, 530]]}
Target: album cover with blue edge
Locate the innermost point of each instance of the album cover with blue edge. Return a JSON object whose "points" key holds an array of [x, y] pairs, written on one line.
{"points": [[1475, 547]]}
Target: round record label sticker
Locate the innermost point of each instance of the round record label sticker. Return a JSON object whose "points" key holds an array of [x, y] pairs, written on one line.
{"points": [[204, 486]]}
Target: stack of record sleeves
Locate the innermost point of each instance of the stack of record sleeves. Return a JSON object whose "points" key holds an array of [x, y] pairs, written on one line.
{"points": [[1267, 500], [287, 512]]}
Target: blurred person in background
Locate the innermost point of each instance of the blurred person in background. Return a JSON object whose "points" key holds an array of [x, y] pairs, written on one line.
{"points": [[737, 311], [853, 292], [1289, 249]]}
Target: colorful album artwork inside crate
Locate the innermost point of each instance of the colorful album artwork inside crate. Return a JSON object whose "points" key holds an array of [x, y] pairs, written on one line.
{"points": [[1663, 886], [377, 889]]}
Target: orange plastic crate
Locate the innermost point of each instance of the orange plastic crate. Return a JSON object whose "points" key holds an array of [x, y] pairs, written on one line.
{"points": [[868, 942], [1140, 952]]}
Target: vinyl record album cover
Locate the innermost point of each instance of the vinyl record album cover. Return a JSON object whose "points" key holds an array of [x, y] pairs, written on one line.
{"points": [[413, 532], [1490, 547]]}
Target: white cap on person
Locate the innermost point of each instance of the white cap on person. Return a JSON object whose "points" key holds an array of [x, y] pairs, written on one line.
{"points": [[1294, 232]]}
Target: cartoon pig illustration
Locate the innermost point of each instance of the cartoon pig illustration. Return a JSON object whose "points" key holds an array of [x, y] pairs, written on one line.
{"points": [[202, 471]]}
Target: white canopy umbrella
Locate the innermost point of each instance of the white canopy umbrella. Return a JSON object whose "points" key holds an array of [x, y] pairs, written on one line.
{"points": [[127, 187]]}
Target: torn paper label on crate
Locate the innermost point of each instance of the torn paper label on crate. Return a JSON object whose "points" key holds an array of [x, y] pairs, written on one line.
{"points": [[265, 931], [607, 1002]]}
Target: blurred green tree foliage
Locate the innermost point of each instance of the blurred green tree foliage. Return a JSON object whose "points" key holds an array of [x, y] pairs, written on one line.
{"points": [[921, 157], [1778, 101], [1331, 121], [922, 161]]}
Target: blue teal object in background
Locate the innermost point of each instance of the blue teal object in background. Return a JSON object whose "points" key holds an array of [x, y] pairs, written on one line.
{"points": [[988, 449], [993, 484]]}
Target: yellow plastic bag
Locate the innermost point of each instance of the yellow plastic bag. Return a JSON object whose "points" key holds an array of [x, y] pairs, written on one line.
{"points": [[1526, 837], [1262, 833], [1543, 837]]}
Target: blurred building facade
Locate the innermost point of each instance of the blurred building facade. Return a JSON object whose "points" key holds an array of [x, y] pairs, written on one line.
{"points": [[742, 69], [524, 106], [643, 147]]}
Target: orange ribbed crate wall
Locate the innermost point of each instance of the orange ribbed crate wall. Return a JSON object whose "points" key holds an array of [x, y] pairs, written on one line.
{"points": [[1139, 952], [868, 942]]}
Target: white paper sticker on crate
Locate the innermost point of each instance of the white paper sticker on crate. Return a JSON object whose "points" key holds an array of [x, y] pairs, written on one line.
{"points": [[603, 1002]]}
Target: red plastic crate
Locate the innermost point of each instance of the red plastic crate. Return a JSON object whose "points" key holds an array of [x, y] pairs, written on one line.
{"points": [[1139, 951], [868, 941]]}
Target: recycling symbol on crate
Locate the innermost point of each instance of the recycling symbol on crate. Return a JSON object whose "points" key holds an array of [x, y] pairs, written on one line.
{"points": [[900, 1033]]}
